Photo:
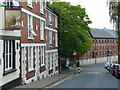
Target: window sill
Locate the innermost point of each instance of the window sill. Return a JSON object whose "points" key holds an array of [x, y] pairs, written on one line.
{"points": [[9, 71], [42, 65], [30, 70], [30, 6], [42, 12], [50, 46], [50, 24], [42, 39], [30, 38]]}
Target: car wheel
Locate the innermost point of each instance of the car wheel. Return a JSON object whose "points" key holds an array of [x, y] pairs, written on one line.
{"points": [[113, 73], [116, 75]]}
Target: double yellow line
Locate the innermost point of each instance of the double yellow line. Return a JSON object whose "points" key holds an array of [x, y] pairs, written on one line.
{"points": [[66, 78]]}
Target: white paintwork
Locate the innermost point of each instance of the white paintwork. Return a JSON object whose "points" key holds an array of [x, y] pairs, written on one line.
{"points": [[54, 50], [1, 66], [32, 14], [98, 60], [50, 29], [14, 75], [37, 56], [32, 44], [23, 66]]}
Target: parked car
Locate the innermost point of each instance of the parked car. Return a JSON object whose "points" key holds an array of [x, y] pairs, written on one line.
{"points": [[117, 71], [112, 68], [108, 64]]}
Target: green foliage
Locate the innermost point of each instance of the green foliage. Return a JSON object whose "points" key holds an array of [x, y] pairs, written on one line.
{"points": [[73, 29], [114, 11]]}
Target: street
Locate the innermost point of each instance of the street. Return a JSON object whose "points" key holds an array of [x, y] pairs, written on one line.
{"points": [[92, 76]]}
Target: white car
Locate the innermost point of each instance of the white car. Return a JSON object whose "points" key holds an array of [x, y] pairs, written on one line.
{"points": [[108, 64]]}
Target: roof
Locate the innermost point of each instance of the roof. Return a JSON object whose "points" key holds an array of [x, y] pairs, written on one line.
{"points": [[103, 33], [50, 9]]}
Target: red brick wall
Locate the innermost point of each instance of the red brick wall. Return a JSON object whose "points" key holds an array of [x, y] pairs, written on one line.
{"points": [[24, 32], [101, 48]]}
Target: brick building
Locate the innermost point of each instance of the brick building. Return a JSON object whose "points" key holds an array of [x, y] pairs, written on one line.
{"points": [[104, 45], [39, 54]]}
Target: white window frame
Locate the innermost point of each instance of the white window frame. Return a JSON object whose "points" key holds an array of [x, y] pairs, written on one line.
{"points": [[50, 18], [29, 3], [56, 39], [41, 6], [42, 55], [8, 63], [50, 39], [56, 21], [42, 27], [30, 59], [56, 56], [30, 26]]}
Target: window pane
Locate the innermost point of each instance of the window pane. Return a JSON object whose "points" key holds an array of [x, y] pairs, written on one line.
{"points": [[6, 61]]}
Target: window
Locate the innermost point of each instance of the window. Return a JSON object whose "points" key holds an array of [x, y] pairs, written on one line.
{"points": [[30, 58], [9, 2], [42, 56], [50, 38], [9, 55], [29, 3], [31, 32], [50, 18], [56, 21], [41, 6], [56, 55], [56, 40], [42, 30]]}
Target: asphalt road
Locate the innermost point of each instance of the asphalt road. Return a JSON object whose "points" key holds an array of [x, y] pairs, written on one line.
{"points": [[92, 76]]}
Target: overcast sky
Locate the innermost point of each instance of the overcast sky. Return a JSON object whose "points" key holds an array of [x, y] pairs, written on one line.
{"points": [[97, 10]]}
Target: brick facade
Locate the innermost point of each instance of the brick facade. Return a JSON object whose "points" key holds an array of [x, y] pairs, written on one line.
{"points": [[102, 47], [41, 57]]}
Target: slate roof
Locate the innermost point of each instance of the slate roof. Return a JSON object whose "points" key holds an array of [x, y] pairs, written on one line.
{"points": [[102, 33]]}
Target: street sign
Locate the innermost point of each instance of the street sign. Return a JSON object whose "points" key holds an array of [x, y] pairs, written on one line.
{"points": [[74, 53], [67, 62]]}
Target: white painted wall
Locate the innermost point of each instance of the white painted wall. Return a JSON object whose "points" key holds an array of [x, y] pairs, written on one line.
{"points": [[12, 76], [97, 60], [9, 77], [1, 65]]}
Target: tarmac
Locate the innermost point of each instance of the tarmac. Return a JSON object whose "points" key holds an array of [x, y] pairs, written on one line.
{"points": [[46, 82]]}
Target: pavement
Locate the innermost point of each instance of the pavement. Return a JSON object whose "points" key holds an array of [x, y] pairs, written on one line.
{"points": [[46, 82]]}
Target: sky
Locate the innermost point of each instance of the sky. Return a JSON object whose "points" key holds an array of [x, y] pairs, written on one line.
{"points": [[97, 10]]}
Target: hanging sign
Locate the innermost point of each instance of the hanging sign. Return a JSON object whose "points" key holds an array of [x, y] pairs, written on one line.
{"points": [[12, 18]]}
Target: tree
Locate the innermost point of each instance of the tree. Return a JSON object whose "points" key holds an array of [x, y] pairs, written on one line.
{"points": [[114, 11], [73, 29]]}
